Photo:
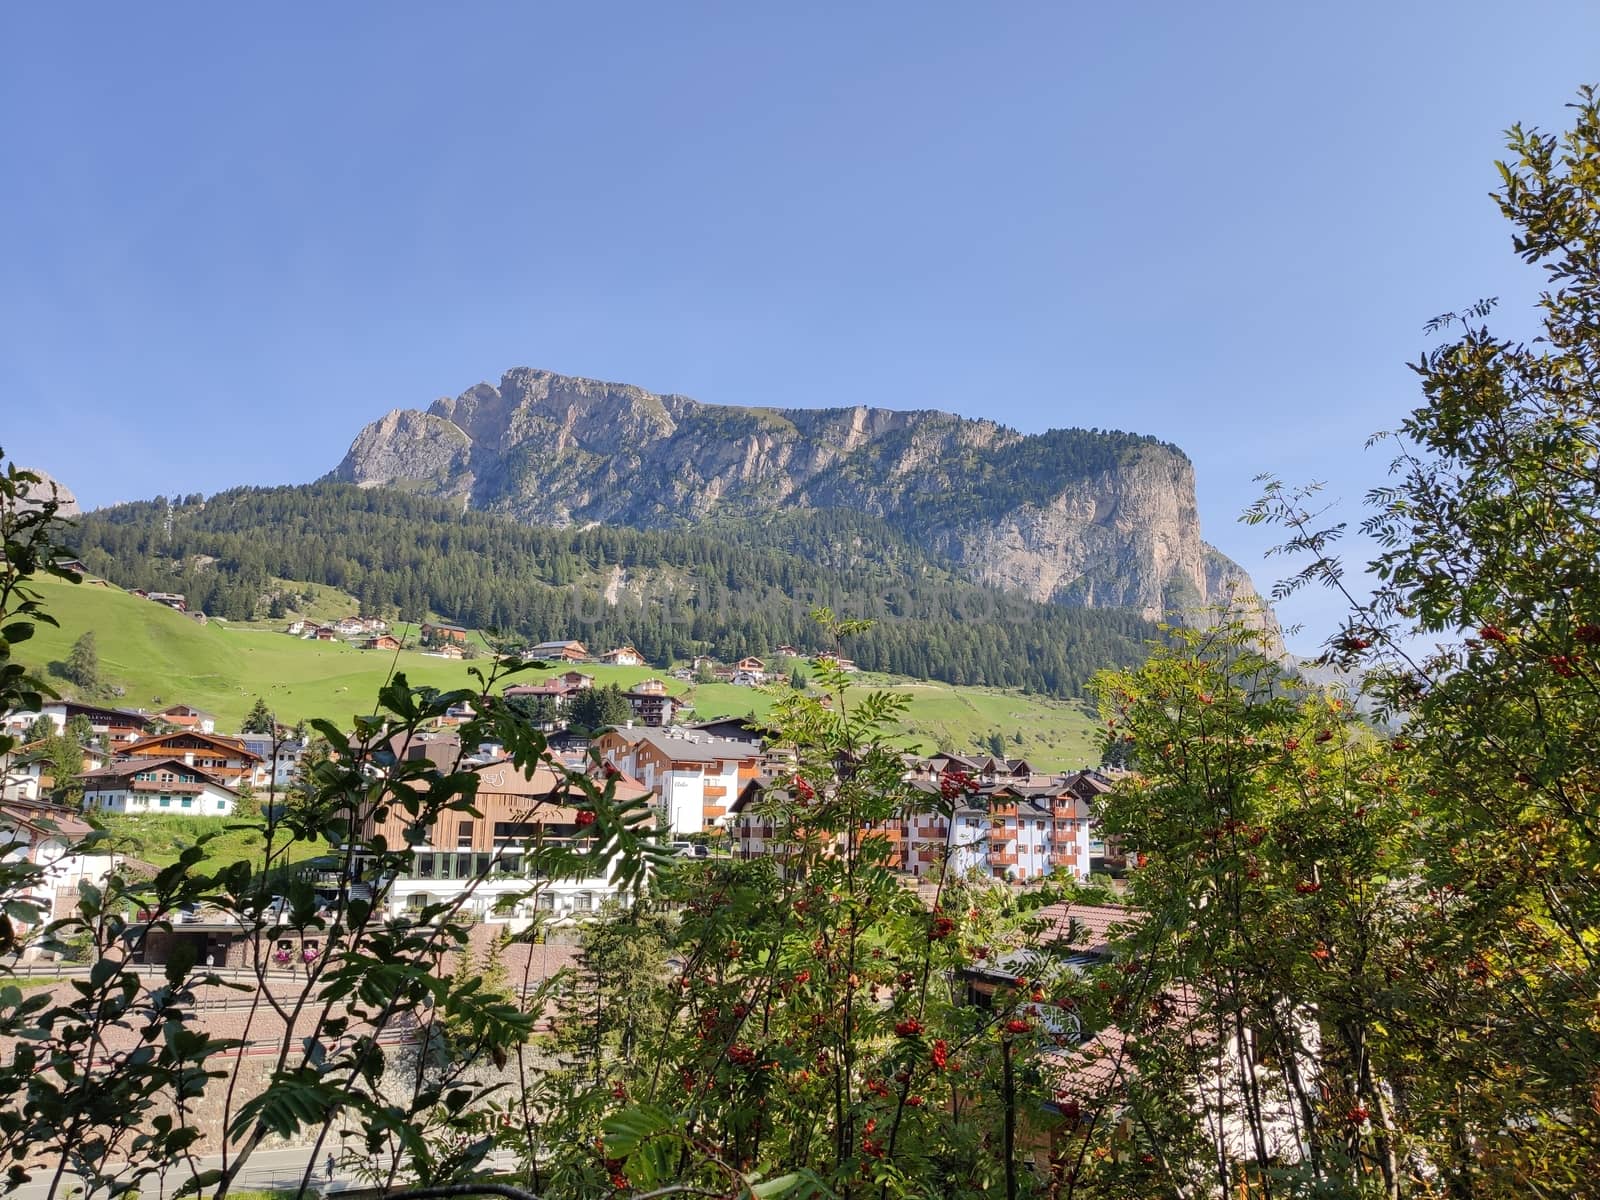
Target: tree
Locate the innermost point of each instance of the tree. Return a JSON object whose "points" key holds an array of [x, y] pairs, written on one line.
{"points": [[599, 708], [260, 719], [797, 679], [83, 662], [276, 609], [42, 727], [995, 743]]}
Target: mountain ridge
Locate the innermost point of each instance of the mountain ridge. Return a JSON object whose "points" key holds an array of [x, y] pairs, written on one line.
{"points": [[1091, 517]]}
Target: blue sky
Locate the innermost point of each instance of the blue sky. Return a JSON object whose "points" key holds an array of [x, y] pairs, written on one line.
{"points": [[233, 235]]}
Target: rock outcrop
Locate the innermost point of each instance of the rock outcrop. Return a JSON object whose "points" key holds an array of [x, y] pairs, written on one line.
{"points": [[1077, 516]]}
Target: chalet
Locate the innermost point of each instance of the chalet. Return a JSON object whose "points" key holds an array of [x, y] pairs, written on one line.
{"points": [[576, 680], [27, 775], [751, 664], [75, 565], [444, 634], [447, 650], [176, 601], [565, 651], [199, 618], [488, 843], [226, 758], [153, 784], [702, 662], [625, 656], [111, 725], [300, 627], [324, 633], [651, 704], [186, 716], [383, 641], [837, 662], [695, 777], [747, 679], [788, 651], [48, 836]]}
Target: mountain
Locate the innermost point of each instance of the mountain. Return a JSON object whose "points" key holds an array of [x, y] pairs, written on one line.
{"points": [[49, 486], [1093, 518]]}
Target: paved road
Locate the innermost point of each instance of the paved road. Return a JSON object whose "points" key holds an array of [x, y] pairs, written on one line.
{"points": [[267, 1170]]}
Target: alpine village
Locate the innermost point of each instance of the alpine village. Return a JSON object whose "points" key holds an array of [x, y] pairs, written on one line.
{"points": [[584, 792]]}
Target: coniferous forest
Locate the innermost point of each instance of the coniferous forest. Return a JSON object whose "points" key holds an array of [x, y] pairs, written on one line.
{"points": [[727, 589]]}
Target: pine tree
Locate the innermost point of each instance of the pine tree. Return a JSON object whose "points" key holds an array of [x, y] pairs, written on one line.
{"points": [[83, 663], [260, 719]]}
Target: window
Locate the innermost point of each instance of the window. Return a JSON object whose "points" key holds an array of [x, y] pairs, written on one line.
{"points": [[509, 831], [424, 866], [188, 802], [166, 802], [484, 864], [464, 836], [463, 866], [547, 901]]}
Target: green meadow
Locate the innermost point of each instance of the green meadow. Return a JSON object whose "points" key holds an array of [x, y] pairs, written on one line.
{"points": [[151, 657]]}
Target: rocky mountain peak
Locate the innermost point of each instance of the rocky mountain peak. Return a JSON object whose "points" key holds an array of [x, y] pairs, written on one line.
{"points": [[1079, 516]]}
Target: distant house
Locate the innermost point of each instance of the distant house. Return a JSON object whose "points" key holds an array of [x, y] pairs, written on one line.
{"points": [[226, 758], [448, 650], [383, 641], [625, 656], [838, 662], [186, 716], [651, 704], [47, 836], [156, 784], [576, 680], [787, 651], [173, 600], [112, 725], [700, 661], [444, 633], [566, 651], [324, 633], [198, 617], [751, 664], [300, 627]]}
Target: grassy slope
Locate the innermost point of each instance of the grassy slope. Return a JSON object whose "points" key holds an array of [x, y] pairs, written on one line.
{"points": [[160, 657]]}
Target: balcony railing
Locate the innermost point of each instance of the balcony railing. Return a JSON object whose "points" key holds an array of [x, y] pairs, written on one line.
{"points": [[1002, 833], [1003, 858], [1063, 858]]}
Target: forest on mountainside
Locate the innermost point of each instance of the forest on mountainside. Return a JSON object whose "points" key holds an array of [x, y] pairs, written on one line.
{"points": [[728, 589]]}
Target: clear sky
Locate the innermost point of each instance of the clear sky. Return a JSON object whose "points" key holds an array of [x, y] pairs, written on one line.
{"points": [[234, 234]]}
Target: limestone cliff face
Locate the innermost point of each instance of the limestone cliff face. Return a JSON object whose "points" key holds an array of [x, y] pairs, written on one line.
{"points": [[47, 487], [1075, 516]]}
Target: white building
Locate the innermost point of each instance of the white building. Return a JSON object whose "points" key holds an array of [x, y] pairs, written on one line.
{"points": [[276, 768], [694, 776], [157, 785], [487, 852]]}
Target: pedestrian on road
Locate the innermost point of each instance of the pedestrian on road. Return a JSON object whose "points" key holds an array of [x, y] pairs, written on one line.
{"points": [[330, 1166]]}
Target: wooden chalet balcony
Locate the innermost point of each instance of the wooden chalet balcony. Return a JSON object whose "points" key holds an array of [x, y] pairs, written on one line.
{"points": [[715, 810], [1064, 809], [932, 833], [1003, 858], [715, 791], [1002, 833], [1063, 858], [928, 854], [1003, 808]]}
